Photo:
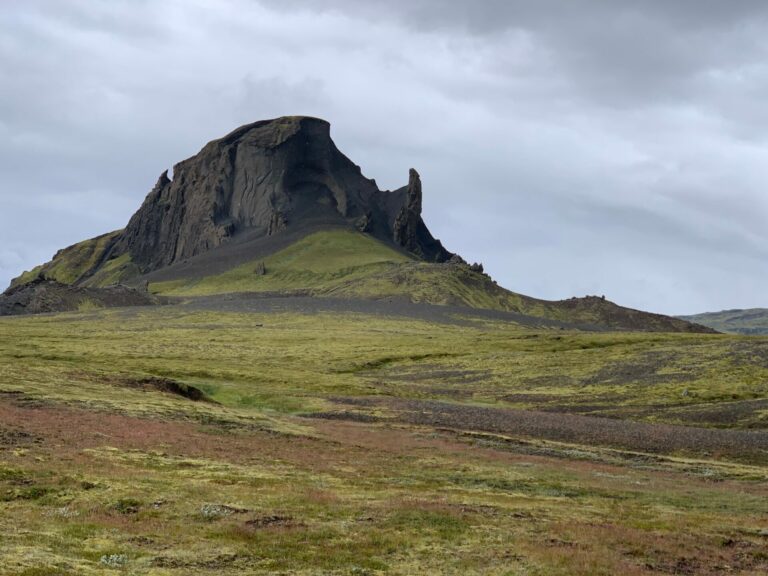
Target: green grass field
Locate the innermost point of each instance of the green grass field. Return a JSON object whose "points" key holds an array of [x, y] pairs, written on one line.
{"points": [[102, 471]]}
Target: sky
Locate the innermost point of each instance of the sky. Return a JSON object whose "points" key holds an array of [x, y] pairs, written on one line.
{"points": [[574, 147]]}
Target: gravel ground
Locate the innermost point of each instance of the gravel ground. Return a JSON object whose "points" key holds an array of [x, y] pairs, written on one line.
{"points": [[398, 307], [577, 429]]}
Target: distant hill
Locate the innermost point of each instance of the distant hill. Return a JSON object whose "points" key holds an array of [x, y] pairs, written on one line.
{"points": [[751, 321], [275, 207]]}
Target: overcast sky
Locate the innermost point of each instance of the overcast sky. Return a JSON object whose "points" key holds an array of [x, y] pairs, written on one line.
{"points": [[573, 146]]}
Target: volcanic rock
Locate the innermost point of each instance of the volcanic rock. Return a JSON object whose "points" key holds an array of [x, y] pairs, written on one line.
{"points": [[44, 295], [409, 229], [263, 179]]}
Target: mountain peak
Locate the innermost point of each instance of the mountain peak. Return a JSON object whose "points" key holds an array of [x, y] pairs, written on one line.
{"points": [[260, 180], [274, 132]]}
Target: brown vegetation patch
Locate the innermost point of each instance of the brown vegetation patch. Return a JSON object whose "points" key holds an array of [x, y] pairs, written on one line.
{"points": [[602, 405], [669, 553], [67, 431]]}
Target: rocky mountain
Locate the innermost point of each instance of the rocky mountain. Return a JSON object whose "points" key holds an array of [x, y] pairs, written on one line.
{"points": [[244, 213], [261, 180], [752, 321]]}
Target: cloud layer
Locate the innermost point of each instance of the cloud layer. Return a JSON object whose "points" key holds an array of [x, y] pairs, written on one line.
{"points": [[575, 147]]}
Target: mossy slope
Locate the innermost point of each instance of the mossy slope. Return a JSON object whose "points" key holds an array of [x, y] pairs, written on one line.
{"points": [[344, 263], [83, 263]]}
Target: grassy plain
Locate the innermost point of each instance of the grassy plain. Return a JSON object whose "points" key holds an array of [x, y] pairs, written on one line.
{"points": [[310, 452]]}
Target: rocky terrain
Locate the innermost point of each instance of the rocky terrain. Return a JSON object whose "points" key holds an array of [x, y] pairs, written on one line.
{"points": [[252, 434], [41, 295], [261, 180], [251, 197]]}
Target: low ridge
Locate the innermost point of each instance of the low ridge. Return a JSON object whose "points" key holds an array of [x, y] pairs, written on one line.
{"points": [[41, 296], [752, 321]]}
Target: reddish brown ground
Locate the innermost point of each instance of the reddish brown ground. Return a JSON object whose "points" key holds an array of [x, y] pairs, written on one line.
{"points": [[67, 431], [352, 448]]}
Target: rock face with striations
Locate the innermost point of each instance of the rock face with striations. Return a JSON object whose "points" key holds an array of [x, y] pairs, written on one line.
{"points": [[263, 179]]}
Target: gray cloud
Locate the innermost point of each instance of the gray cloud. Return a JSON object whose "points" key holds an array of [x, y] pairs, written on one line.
{"points": [[594, 146], [494, 15]]}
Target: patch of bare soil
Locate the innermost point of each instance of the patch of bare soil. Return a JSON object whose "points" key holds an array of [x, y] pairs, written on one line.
{"points": [[167, 385]]}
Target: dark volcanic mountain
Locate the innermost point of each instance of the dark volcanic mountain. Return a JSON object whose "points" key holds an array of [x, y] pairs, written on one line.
{"points": [[275, 207], [263, 179]]}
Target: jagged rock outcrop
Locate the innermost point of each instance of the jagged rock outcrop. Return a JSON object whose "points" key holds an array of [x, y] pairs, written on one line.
{"points": [[409, 230], [406, 226], [263, 179]]}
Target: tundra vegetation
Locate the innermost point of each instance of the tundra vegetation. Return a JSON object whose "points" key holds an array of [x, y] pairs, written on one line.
{"points": [[275, 368], [189, 439]]}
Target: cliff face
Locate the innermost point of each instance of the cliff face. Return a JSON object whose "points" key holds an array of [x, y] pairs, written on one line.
{"points": [[260, 180]]}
